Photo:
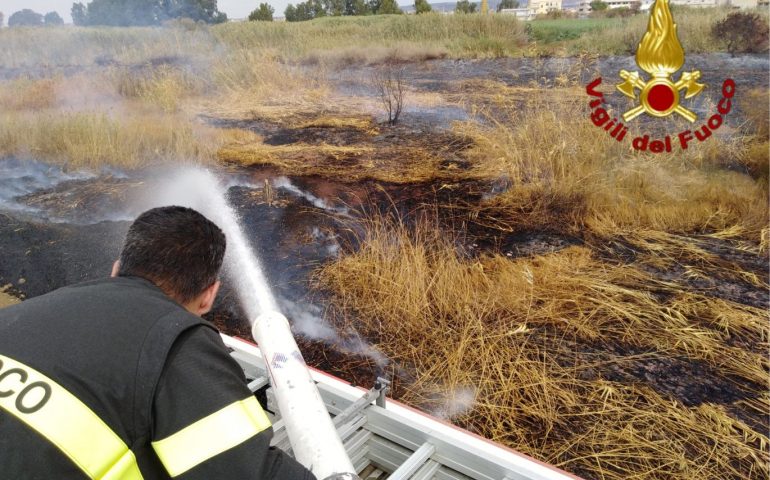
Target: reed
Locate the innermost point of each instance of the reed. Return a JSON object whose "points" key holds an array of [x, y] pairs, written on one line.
{"points": [[94, 139], [520, 351], [582, 179], [393, 36]]}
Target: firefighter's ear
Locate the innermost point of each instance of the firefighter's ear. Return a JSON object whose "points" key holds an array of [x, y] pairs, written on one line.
{"points": [[207, 298], [115, 269]]}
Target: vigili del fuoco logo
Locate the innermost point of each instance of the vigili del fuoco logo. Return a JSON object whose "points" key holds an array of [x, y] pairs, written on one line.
{"points": [[660, 55]]}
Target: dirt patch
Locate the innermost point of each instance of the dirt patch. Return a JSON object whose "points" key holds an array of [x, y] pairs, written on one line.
{"points": [[359, 370], [41, 257], [691, 382], [86, 201], [732, 270], [348, 149], [688, 381], [719, 284], [6, 299]]}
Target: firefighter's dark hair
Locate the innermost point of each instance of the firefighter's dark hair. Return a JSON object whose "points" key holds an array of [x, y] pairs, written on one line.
{"points": [[176, 248]]}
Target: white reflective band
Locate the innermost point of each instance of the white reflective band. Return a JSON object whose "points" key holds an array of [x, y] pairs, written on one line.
{"points": [[211, 435], [65, 421]]}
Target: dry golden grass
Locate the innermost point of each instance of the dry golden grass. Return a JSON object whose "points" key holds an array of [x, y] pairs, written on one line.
{"points": [[94, 139], [754, 105], [380, 37], [621, 36], [260, 72], [519, 350], [364, 124], [296, 157], [570, 175], [524, 345], [83, 121], [355, 55], [25, 94], [132, 117], [393, 164], [755, 156], [329, 140], [164, 87]]}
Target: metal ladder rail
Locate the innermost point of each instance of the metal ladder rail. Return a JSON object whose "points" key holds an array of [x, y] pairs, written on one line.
{"points": [[281, 439], [427, 471], [258, 383], [355, 409], [414, 462], [357, 447]]}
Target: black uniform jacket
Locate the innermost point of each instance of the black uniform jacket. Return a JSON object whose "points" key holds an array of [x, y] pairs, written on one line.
{"points": [[112, 379]]}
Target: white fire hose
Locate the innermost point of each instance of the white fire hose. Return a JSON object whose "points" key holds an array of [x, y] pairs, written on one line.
{"points": [[312, 435]]}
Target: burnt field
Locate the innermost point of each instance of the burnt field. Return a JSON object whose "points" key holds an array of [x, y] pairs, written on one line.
{"points": [[508, 264]]}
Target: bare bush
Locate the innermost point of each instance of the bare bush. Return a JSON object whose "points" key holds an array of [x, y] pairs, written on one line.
{"points": [[389, 82], [742, 33]]}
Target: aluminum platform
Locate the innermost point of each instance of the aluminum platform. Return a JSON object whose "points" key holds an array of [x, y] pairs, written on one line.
{"points": [[388, 440]]}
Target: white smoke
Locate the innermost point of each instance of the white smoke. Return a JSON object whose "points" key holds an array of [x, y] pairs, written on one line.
{"points": [[21, 177], [309, 322], [457, 402], [285, 183], [201, 190]]}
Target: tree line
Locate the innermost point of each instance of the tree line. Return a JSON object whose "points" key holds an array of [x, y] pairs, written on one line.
{"points": [[29, 18], [310, 9], [155, 12], [122, 13]]}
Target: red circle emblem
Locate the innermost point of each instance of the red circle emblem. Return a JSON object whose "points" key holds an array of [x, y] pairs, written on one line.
{"points": [[660, 98]]}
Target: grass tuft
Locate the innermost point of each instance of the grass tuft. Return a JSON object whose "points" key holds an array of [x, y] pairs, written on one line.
{"points": [[91, 140], [535, 341]]}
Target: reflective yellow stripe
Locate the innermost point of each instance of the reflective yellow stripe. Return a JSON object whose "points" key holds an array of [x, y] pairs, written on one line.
{"points": [[211, 435], [65, 421]]}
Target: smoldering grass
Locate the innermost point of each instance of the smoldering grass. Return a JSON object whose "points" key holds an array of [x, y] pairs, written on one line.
{"points": [[589, 181], [508, 327]]}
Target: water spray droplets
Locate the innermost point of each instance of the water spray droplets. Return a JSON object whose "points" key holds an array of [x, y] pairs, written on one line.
{"points": [[200, 189]]}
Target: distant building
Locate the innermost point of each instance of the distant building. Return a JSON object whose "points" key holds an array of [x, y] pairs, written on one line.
{"points": [[743, 3], [520, 13], [573, 5], [699, 3], [540, 7], [583, 7], [621, 3]]}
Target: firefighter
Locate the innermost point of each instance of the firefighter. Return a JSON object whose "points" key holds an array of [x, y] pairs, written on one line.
{"points": [[121, 378]]}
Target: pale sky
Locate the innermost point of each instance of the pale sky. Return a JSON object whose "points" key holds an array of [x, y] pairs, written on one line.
{"points": [[233, 8]]}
